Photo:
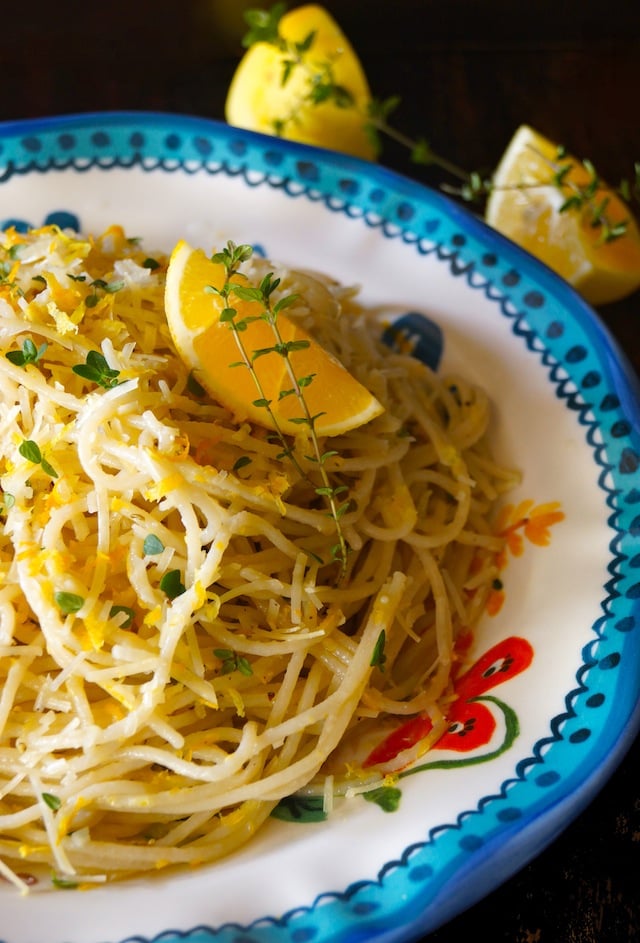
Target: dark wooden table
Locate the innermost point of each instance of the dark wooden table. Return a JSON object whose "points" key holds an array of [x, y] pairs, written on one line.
{"points": [[468, 74]]}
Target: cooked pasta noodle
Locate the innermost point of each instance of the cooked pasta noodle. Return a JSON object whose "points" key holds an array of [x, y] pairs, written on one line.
{"points": [[177, 650]]}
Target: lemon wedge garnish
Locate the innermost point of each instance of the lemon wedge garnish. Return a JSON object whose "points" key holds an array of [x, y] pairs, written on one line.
{"points": [[525, 204], [208, 347], [258, 100]]}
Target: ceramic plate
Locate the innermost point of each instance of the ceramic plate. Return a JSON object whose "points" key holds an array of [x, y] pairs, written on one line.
{"points": [[533, 742]]}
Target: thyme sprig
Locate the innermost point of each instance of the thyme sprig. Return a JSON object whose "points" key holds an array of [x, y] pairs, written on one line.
{"points": [[263, 294], [470, 186]]}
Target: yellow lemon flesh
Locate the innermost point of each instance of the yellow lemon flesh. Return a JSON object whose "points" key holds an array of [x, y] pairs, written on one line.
{"points": [[258, 100], [208, 347], [525, 206]]}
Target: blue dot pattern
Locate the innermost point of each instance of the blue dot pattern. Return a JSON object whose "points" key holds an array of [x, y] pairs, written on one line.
{"points": [[587, 375]]}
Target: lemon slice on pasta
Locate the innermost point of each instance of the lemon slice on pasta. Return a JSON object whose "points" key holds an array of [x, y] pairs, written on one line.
{"points": [[208, 346]]}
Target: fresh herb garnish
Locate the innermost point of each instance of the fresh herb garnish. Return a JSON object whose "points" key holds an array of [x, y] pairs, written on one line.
{"points": [[68, 603], [171, 584], [241, 462], [65, 884], [6, 500], [194, 387], [378, 657], [231, 257], [320, 86], [28, 354], [32, 452], [152, 545], [231, 661], [99, 285], [54, 802], [126, 610], [96, 369]]}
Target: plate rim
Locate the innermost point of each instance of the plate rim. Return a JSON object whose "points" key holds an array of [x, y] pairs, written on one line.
{"points": [[568, 806]]}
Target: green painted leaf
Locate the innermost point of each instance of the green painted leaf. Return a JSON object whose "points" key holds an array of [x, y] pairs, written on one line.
{"points": [[300, 809], [387, 797]]}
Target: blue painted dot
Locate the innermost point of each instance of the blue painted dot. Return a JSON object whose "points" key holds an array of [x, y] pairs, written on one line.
{"points": [[620, 428], [308, 170], [633, 592], [576, 354], [555, 329], [634, 527], [352, 187], [419, 334], [610, 661], [136, 139], [203, 146], [364, 907], [511, 814], [431, 226], [609, 402], [302, 934], [511, 278], [626, 624], [534, 299], [100, 138], [579, 736], [547, 779], [596, 700], [273, 158], [634, 562], [173, 142], [633, 497], [63, 219], [490, 259], [405, 211], [591, 379], [238, 147], [32, 144], [421, 872], [459, 240], [629, 462], [377, 195], [66, 141], [20, 225], [471, 842]]}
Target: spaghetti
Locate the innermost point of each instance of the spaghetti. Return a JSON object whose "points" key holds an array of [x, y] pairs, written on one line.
{"points": [[176, 653]]}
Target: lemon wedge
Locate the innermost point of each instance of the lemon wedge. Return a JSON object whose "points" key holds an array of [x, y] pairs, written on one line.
{"points": [[208, 347], [259, 100], [525, 204]]}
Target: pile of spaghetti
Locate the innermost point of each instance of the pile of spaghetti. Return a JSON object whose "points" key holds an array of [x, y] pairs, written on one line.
{"points": [[178, 650]]}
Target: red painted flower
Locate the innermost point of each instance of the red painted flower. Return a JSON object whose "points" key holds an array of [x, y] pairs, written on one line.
{"points": [[471, 723]]}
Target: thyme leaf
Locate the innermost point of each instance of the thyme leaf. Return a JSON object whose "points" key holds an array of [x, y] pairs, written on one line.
{"points": [[171, 584], [231, 258], [28, 354], [96, 369], [152, 545], [68, 603], [32, 452], [232, 661]]}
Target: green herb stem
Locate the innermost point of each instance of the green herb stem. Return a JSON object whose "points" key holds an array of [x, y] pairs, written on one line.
{"points": [[321, 87]]}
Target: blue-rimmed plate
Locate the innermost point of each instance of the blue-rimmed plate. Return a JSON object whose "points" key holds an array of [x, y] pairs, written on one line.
{"points": [[565, 629]]}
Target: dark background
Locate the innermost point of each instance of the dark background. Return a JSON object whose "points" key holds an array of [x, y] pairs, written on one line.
{"points": [[468, 73]]}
